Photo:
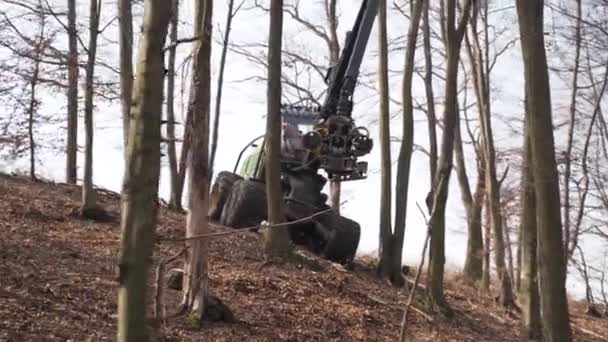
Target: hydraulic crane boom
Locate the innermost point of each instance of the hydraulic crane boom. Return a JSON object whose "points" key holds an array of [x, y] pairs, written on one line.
{"points": [[335, 142], [342, 77]]}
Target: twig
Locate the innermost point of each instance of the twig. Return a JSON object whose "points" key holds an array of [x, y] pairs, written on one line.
{"points": [[418, 272]]}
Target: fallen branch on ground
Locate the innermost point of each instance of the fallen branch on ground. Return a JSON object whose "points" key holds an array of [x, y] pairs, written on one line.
{"points": [[400, 304], [589, 332]]}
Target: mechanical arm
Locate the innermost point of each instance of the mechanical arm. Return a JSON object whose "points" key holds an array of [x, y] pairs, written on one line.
{"points": [[335, 142]]}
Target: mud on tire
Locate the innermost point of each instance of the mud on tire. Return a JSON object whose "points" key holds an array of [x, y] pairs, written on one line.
{"points": [[245, 205], [220, 191]]}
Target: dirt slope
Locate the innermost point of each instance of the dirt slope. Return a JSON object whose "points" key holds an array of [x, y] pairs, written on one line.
{"points": [[57, 283]]}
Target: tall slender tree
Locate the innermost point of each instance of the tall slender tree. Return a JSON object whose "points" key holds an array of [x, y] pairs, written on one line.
{"points": [[529, 296], [429, 91], [454, 33], [72, 95], [571, 127], [196, 287], [554, 303], [139, 202], [385, 242], [473, 204], [481, 77], [277, 242], [392, 242], [174, 201], [220, 81], [89, 202], [125, 20]]}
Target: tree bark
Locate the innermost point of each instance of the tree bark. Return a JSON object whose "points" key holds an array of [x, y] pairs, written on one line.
{"points": [[332, 21], [385, 243], [196, 283], [171, 153], [220, 82], [530, 301], [276, 241], [72, 96], [554, 304], [88, 193], [487, 239], [482, 91], [571, 125], [519, 261], [454, 35], [33, 105], [335, 185], [139, 202], [395, 247], [473, 265], [183, 155], [509, 251], [430, 97], [125, 19]]}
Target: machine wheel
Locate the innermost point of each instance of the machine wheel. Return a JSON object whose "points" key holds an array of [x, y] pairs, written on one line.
{"points": [[341, 237], [220, 191], [245, 205]]}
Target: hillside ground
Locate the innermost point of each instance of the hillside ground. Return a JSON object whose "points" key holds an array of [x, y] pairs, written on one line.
{"points": [[58, 283]]}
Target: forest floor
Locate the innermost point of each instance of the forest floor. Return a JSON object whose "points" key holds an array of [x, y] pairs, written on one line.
{"points": [[58, 283]]}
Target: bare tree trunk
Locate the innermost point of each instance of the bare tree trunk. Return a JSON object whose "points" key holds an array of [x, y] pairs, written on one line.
{"points": [[571, 125], [183, 156], [554, 303], [332, 21], [430, 97], [529, 296], [220, 82], [482, 91], [72, 94], [386, 240], [454, 35], [125, 19], [509, 250], [33, 105], [518, 261], [407, 144], [171, 153], [583, 269], [196, 283], [487, 239], [473, 265], [89, 205], [335, 185], [276, 241], [139, 204]]}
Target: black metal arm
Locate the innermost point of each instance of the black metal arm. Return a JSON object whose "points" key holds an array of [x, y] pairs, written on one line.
{"points": [[342, 77]]}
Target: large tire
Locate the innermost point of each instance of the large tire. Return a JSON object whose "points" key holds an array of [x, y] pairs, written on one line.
{"points": [[220, 191], [245, 205], [341, 237]]}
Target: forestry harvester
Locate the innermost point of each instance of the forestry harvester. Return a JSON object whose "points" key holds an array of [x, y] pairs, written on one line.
{"points": [[313, 139]]}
